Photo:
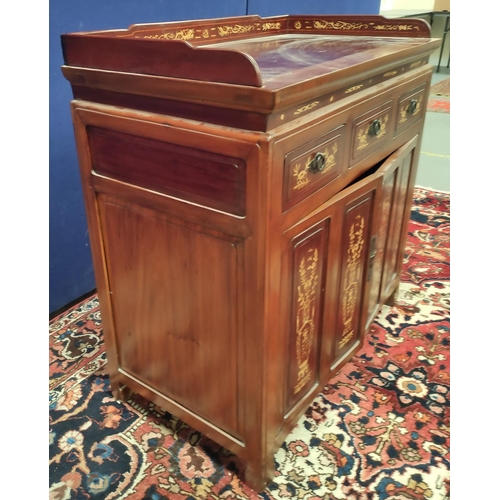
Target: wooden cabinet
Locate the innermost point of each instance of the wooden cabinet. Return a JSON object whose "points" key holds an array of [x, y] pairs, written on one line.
{"points": [[247, 184]]}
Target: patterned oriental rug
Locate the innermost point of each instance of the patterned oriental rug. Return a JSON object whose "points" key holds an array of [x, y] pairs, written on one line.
{"points": [[380, 430], [439, 97]]}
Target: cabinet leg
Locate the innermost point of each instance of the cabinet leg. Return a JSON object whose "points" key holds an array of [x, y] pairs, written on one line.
{"points": [[120, 392], [123, 394], [115, 386], [259, 479]]}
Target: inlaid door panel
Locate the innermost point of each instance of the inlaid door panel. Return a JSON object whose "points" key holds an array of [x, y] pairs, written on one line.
{"points": [[354, 226], [396, 239], [389, 230], [377, 245], [308, 255]]}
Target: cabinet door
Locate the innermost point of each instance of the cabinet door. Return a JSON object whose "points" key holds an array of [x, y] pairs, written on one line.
{"points": [[390, 230], [355, 214], [369, 234], [305, 261], [324, 262]]}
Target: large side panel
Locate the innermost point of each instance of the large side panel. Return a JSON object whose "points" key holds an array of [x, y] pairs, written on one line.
{"points": [[174, 296]]}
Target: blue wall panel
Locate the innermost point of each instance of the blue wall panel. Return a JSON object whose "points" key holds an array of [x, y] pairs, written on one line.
{"points": [[71, 270], [70, 263], [277, 7]]}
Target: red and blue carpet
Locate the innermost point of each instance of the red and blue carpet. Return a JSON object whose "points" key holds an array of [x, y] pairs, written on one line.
{"points": [[379, 431], [439, 97]]}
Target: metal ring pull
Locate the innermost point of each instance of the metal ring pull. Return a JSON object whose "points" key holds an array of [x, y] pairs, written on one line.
{"points": [[412, 107], [375, 128], [317, 164]]}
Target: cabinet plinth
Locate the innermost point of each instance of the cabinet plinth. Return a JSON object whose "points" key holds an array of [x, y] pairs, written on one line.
{"points": [[247, 184]]}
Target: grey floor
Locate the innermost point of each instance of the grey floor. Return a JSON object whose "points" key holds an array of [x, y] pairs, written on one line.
{"points": [[434, 163]]}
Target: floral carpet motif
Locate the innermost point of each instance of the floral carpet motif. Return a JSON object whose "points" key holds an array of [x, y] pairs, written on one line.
{"points": [[380, 430]]}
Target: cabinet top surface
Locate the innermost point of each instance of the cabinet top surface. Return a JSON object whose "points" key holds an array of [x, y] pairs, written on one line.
{"points": [[287, 59], [269, 53]]}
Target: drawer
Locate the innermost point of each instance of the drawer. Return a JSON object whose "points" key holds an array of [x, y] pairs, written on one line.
{"points": [[371, 130], [310, 167], [410, 108]]}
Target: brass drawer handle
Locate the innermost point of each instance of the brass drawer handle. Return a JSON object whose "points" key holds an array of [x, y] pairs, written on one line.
{"points": [[318, 163], [412, 107], [375, 128]]}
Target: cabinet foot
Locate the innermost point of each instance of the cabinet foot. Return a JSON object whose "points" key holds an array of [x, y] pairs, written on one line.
{"points": [[121, 393], [392, 299], [258, 480]]}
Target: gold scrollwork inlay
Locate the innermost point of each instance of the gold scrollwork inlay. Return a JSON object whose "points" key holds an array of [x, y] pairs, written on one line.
{"points": [[338, 25], [271, 26], [300, 171], [352, 89], [300, 174], [415, 64], [236, 29], [352, 278], [186, 34], [330, 160], [363, 132], [305, 327], [307, 107], [396, 27], [390, 73]]}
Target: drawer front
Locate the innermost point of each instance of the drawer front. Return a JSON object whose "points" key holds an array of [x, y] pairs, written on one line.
{"points": [[313, 165], [410, 108], [371, 130]]}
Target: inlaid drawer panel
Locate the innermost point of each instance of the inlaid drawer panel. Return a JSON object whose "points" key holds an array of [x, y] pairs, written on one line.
{"points": [[371, 130], [313, 165], [410, 108]]}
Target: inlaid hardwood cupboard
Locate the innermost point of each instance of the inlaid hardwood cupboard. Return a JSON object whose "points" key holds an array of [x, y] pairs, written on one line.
{"points": [[248, 184]]}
